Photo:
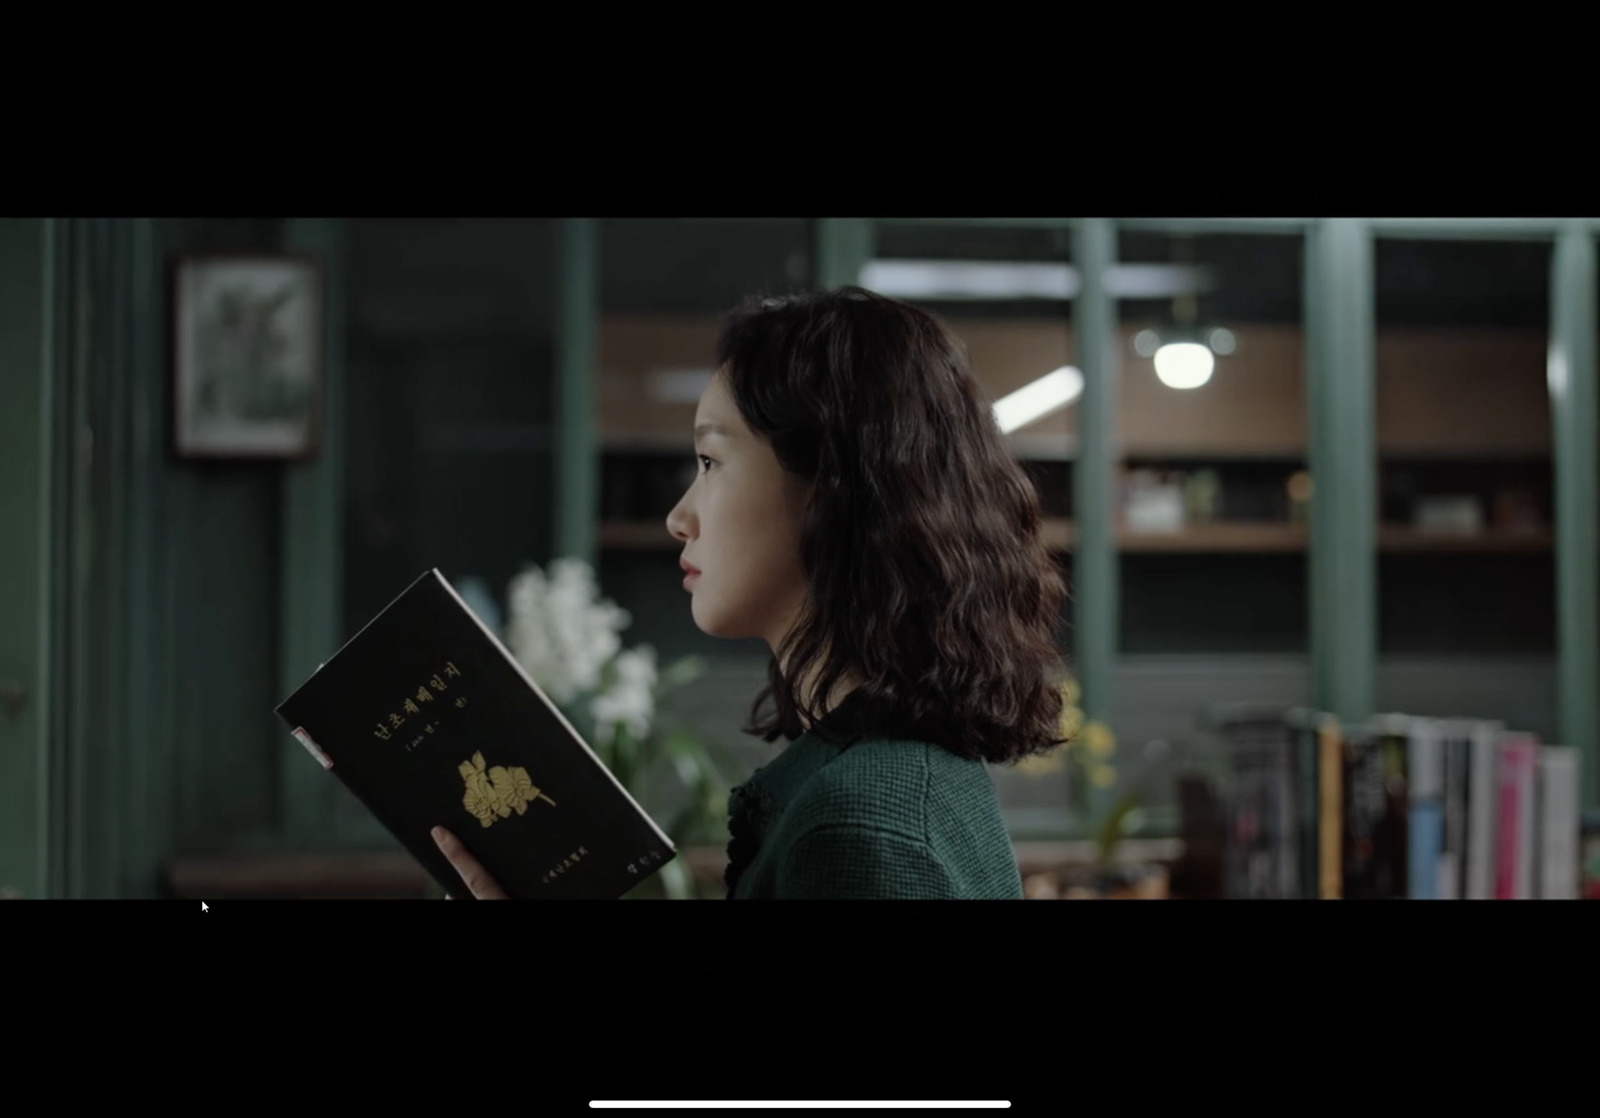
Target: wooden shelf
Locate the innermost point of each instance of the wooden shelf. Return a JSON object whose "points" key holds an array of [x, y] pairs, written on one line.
{"points": [[1401, 538], [1216, 537], [1457, 392], [1060, 535]]}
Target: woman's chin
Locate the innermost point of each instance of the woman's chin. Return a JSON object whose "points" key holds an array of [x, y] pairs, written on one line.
{"points": [[715, 624]]}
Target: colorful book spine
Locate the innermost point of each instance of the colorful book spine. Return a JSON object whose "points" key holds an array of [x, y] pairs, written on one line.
{"points": [[1426, 820], [1481, 811], [1517, 761], [1559, 823], [1330, 808]]}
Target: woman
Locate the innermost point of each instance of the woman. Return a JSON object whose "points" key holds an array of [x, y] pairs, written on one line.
{"points": [[857, 509]]}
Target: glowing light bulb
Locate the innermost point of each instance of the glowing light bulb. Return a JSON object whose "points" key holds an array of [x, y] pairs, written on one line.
{"points": [[1184, 364]]}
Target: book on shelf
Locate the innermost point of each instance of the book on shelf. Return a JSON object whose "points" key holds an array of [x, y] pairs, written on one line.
{"points": [[1589, 856], [1259, 854], [1480, 810], [1306, 732], [1394, 733], [1400, 807], [429, 721], [1361, 776], [1560, 825], [1453, 759], [1425, 820], [1330, 809], [1516, 760]]}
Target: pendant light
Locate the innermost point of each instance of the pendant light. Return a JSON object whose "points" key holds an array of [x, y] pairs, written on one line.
{"points": [[1185, 353]]}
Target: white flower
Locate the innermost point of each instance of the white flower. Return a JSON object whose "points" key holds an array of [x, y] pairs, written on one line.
{"points": [[558, 629], [630, 700]]}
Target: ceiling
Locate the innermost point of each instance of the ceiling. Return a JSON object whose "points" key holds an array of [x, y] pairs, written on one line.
{"points": [[492, 276]]}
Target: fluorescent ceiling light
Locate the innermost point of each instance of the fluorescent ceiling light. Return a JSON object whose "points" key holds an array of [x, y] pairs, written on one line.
{"points": [[1157, 281], [961, 279], [966, 279], [678, 386], [1031, 402]]}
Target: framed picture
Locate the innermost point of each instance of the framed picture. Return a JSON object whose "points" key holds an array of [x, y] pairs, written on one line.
{"points": [[247, 356]]}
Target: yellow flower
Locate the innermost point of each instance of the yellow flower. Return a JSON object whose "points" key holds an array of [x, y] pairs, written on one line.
{"points": [[1099, 739], [1071, 722], [1103, 776], [1038, 764]]}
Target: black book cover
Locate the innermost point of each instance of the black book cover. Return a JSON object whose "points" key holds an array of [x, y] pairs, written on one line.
{"points": [[429, 721], [1198, 872], [1305, 728], [1394, 844], [1364, 807], [1457, 749]]}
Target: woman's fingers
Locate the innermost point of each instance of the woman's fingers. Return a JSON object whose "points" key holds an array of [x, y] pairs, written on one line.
{"points": [[476, 878]]}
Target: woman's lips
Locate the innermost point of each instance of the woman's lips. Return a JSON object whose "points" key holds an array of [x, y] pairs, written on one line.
{"points": [[689, 579]]}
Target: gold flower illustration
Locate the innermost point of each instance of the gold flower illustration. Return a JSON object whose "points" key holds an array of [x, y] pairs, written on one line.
{"points": [[497, 791]]}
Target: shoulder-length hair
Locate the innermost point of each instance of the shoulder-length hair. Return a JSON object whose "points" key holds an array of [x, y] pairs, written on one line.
{"points": [[928, 580]]}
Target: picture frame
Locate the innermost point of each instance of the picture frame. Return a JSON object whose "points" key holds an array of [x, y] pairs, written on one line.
{"points": [[247, 356]]}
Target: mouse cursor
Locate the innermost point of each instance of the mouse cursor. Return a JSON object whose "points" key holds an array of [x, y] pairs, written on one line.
{"points": [[203, 907]]}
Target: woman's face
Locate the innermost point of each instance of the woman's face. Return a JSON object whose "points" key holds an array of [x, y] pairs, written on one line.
{"points": [[740, 527]]}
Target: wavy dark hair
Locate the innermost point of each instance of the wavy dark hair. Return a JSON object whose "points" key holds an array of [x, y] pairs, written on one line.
{"points": [[928, 579]]}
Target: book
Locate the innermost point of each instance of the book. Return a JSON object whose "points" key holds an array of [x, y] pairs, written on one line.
{"points": [[1426, 820], [1198, 873], [1589, 855], [1559, 823], [1305, 728], [1455, 757], [1516, 766], [1258, 855], [429, 721], [1394, 736], [1362, 858], [1330, 809], [1481, 800]]}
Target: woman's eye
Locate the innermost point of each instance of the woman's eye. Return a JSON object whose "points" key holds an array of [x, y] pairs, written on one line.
{"points": [[705, 463]]}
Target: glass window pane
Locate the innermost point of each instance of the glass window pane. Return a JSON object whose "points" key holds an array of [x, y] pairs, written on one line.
{"points": [[449, 399], [1212, 520], [1212, 513], [1466, 588]]}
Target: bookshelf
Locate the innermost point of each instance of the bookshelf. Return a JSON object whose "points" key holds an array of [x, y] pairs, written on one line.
{"points": [[1446, 411], [1449, 416], [1214, 537], [1453, 406]]}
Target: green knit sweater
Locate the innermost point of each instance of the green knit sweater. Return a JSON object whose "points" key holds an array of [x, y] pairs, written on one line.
{"points": [[879, 818]]}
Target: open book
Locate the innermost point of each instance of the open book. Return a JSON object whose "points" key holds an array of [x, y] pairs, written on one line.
{"points": [[430, 721]]}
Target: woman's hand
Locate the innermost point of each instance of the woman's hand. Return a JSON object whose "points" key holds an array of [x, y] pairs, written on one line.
{"points": [[477, 879]]}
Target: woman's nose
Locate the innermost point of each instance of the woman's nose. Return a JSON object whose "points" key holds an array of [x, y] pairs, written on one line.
{"points": [[678, 522]]}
